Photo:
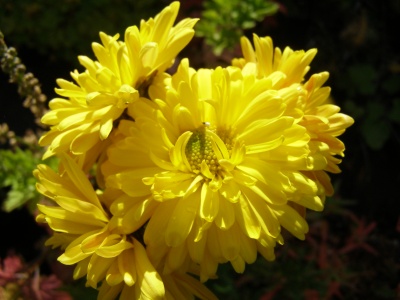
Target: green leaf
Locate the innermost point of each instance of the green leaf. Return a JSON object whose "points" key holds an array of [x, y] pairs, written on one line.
{"points": [[353, 109], [16, 177], [14, 200], [375, 111], [248, 24], [392, 85], [363, 76], [375, 127], [223, 22], [376, 133], [394, 114]]}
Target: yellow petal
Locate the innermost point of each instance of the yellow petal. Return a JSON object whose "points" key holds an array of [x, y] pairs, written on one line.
{"points": [[230, 242], [292, 221], [126, 266], [209, 203], [97, 269], [148, 280], [246, 219], [81, 268], [226, 214], [176, 258], [81, 207], [80, 180], [193, 285], [107, 292], [113, 250], [181, 220], [114, 276]]}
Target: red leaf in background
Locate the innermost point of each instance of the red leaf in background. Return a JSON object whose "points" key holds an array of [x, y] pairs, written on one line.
{"points": [[359, 237], [334, 290], [310, 294], [45, 288], [269, 295]]}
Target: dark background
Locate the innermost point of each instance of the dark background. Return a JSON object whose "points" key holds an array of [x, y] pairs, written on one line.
{"points": [[357, 43]]}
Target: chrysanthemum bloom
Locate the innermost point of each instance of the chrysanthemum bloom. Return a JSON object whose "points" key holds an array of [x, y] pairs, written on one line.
{"points": [[322, 119], [80, 219], [120, 76], [175, 286], [267, 60], [225, 164]]}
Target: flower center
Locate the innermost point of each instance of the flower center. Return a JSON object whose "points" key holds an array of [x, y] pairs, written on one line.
{"points": [[199, 148]]}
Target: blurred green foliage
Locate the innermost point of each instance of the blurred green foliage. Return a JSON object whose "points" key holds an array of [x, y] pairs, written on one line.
{"points": [[16, 178], [381, 107], [222, 23]]}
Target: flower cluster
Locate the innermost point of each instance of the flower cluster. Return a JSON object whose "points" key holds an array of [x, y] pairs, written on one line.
{"points": [[162, 177]]}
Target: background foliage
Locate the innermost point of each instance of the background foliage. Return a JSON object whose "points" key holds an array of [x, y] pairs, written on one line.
{"points": [[352, 250]]}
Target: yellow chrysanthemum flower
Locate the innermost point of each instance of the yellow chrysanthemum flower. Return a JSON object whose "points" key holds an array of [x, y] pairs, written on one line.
{"points": [[322, 119], [324, 123], [217, 152], [194, 169], [78, 219], [293, 64], [120, 76], [177, 286], [83, 228]]}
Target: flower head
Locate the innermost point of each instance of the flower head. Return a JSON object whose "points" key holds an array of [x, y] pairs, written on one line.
{"points": [[224, 162], [265, 59], [194, 169], [83, 227], [120, 76], [322, 119], [78, 219]]}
